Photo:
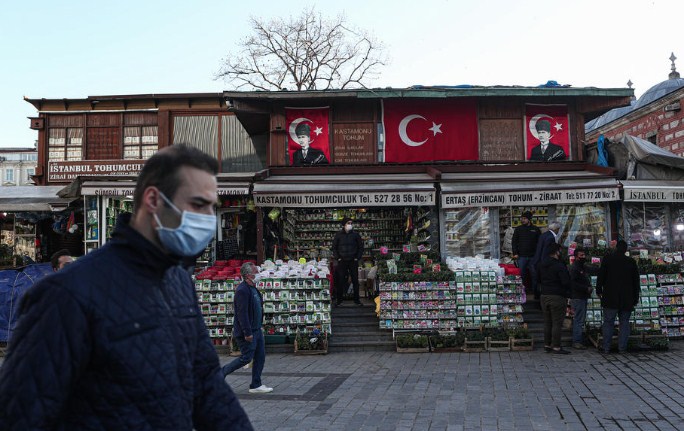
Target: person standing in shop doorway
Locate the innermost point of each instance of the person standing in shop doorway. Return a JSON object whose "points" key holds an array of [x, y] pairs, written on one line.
{"points": [[544, 244], [524, 245], [554, 284], [618, 287], [347, 250], [581, 291], [249, 312], [60, 259]]}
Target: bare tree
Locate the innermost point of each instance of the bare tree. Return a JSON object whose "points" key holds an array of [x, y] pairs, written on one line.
{"points": [[305, 53]]}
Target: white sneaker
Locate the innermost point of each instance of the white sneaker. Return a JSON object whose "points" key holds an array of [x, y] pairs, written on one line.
{"points": [[263, 389]]}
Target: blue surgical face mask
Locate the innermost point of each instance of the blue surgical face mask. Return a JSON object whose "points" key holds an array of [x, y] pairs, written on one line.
{"points": [[191, 236]]}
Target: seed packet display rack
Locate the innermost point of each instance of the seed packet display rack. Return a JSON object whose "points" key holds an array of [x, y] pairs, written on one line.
{"points": [[473, 299], [671, 304]]}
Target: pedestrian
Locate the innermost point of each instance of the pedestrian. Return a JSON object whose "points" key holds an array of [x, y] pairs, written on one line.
{"points": [[249, 314], [554, 284], [116, 340], [618, 287], [524, 245], [60, 259], [347, 250], [581, 292], [546, 240]]}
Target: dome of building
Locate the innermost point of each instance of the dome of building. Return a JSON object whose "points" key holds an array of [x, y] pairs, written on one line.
{"points": [[674, 82]]}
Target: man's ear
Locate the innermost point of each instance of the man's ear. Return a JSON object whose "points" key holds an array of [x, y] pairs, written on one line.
{"points": [[151, 200]]}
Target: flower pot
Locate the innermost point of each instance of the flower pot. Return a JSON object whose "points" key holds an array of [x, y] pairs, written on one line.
{"points": [[498, 345], [474, 346], [522, 344]]}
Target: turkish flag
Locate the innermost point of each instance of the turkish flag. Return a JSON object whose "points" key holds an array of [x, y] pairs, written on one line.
{"points": [[308, 140], [428, 130], [547, 133]]}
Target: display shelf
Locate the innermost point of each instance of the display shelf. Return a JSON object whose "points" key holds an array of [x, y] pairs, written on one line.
{"points": [[478, 299], [310, 233], [113, 209], [671, 304]]}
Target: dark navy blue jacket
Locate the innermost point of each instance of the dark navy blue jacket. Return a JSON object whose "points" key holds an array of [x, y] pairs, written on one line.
{"points": [[244, 321], [115, 341]]}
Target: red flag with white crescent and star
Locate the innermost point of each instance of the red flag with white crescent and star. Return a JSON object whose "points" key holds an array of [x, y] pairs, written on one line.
{"points": [[547, 133], [430, 130], [308, 140]]}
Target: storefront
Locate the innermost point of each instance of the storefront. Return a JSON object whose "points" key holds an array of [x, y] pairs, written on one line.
{"points": [[302, 213], [478, 208], [653, 215]]}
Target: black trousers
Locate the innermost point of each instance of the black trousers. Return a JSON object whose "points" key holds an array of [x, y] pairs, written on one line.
{"points": [[343, 270]]}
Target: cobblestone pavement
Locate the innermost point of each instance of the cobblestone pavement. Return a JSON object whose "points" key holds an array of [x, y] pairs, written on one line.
{"points": [[468, 391]]}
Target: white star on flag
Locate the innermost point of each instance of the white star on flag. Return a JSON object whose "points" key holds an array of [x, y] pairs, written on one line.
{"points": [[558, 127], [436, 128], [318, 130]]}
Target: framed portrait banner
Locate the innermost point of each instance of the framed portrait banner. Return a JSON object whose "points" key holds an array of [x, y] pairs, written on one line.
{"points": [[308, 136], [547, 133]]}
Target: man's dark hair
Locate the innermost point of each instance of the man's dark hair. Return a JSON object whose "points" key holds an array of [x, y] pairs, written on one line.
{"points": [[580, 250], [161, 170], [554, 248], [621, 247], [54, 259]]}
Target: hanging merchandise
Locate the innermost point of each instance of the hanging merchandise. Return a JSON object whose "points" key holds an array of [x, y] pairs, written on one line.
{"points": [[274, 214]]}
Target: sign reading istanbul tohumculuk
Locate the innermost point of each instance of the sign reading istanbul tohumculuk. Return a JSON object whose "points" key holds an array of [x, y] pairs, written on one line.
{"points": [[499, 199], [69, 170], [363, 199]]}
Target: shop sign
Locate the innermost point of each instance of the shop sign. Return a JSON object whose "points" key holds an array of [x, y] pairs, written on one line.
{"points": [[353, 199], [233, 191], [107, 191], [69, 170], [353, 143], [546, 197], [654, 195]]}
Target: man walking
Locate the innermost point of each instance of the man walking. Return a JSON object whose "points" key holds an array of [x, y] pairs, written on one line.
{"points": [[249, 312], [554, 281], [524, 245], [618, 288], [581, 291], [116, 340], [347, 250]]}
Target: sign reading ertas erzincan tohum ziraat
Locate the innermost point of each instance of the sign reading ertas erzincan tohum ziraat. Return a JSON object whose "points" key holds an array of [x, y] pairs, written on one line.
{"points": [[546, 197]]}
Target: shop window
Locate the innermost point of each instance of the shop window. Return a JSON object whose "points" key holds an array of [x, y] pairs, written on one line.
{"points": [[9, 175], [646, 226], [468, 232], [29, 173], [583, 224], [140, 142], [65, 144]]}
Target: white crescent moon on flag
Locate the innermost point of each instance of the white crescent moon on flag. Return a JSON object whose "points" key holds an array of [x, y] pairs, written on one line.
{"points": [[533, 123], [402, 131], [293, 127]]}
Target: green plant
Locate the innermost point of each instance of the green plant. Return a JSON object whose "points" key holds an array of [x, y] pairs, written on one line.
{"points": [[496, 334], [314, 340], [412, 340], [520, 333], [447, 340], [658, 343], [475, 336]]}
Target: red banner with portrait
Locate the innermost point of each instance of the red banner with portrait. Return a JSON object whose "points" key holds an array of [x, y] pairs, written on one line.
{"points": [[430, 130], [308, 140], [547, 133]]}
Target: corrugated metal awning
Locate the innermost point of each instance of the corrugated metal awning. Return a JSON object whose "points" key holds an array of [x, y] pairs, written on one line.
{"points": [[32, 198], [504, 189], [653, 191], [364, 190]]}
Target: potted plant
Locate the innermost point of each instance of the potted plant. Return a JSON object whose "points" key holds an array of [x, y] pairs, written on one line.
{"points": [[447, 342], [314, 342], [412, 343], [498, 340], [520, 339], [475, 341]]}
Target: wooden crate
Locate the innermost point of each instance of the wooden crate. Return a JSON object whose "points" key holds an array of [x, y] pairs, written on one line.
{"points": [[473, 346], [498, 345], [522, 344], [323, 351]]}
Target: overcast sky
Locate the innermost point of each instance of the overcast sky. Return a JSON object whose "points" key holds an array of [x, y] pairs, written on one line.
{"points": [[75, 49]]}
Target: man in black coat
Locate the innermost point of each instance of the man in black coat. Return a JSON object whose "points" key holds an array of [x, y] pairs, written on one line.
{"points": [[307, 155], [347, 250], [116, 340], [546, 151], [581, 291], [618, 288], [546, 241], [554, 283], [524, 244]]}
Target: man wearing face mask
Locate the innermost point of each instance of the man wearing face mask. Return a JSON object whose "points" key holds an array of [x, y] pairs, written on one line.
{"points": [[347, 250], [249, 312], [581, 291], [116, 340]]}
